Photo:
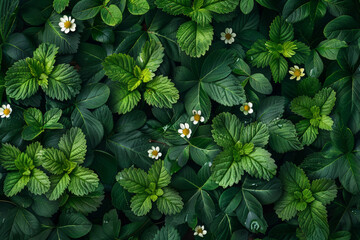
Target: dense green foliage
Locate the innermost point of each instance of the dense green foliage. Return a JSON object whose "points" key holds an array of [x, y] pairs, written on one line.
{"points": [[180, 119]]}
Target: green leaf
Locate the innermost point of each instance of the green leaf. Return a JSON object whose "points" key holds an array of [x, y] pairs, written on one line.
{"points": [[63, 83], [93, 96], [83, 181], [260, 83], [246, 6], [350, 174], [34, 117], [266, 192], [283, 137], [220, 6], [175, 7], [161, 92], [325, 99], [32, 151], [330, 48], [278, 67], [258, 54], [285, 207], [226, 129], [19, 82], [119, 67], [194, 38], [255, 133], [170, 202], [14, 183], [293, 178], [86, 9], [53, 160], [201, 16], [326, 123], [228, 92], [46, 54], [281, 31], [225, 170], [58, 185], [51, 119], [313, 221], [135, 180], [73, 145], [270, 109], [8, 155], [241, 67], [342, 138], [151, 55], [344, 28], [314, 65], [159, 175], [138, 7], [74, 225], [324, 190], [167, 232], [230, 200], [301, 106], [259, 164], [196, 98], [60, 5], [306, 132], [39, 182], [141, 204], [296, 11], [111, 15], [43, 207], [121, 100], [216, 66], [112, 223]]}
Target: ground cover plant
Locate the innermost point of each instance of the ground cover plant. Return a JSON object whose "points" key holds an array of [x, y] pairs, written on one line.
{"points": [[180, 119]]}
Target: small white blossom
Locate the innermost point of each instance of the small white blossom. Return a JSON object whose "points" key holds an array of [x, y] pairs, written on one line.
{"points": [[200, 231], [197, 117], [5, 111], [246, 108], [154, 152], [184, 130], [67, 24], [296, 72], [228, 36]]}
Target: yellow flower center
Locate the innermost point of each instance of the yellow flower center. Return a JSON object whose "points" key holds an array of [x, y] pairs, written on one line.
{"points": [[186, 131], [199, 230], [7, 111], [154, 153], [297, 72], [246, 108], [228, 36], [197, 117], [67, 24]]}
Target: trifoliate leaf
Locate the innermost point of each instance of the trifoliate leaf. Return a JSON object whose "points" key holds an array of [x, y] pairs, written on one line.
{"points": [[259, 164], [283, 137], [161, 92], [8, 155], [134, 180], [83, 181], [170, 202], [119, 67], [226, 129], [73, 145], [281, 31], [324, 190], [141, 204], [159, 175], [194, 38], [39, 182], [111, 15], [63, 83], [14, 183], [255, 133], [151, 55], [46, 54], [58, 185]]}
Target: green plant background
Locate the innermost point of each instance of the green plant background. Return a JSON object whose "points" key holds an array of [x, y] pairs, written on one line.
{"points": [[88, 105]]}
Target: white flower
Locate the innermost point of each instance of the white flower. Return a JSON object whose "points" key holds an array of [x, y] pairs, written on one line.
{"points": [[200, 231], [5, 111], [154, 152], [67, 24], [184, 130], [246, 108], [197, 117], [228, 36], [296, 72]]}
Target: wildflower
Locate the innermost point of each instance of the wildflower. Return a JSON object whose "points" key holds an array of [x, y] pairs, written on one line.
{"points": [[67, 24], [154, 152], [197, 117], [5, 111], [228, 36], [200, 231], [296, 72], [185, 130], [246, 108]]}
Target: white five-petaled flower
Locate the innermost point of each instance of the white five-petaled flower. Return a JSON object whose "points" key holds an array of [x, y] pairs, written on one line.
{"points": [[246, 108], [154, 152], [200, 231], [67, 24], [184, 130], [5, 111], [296, 72], [228, 36], [197, 117]]}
